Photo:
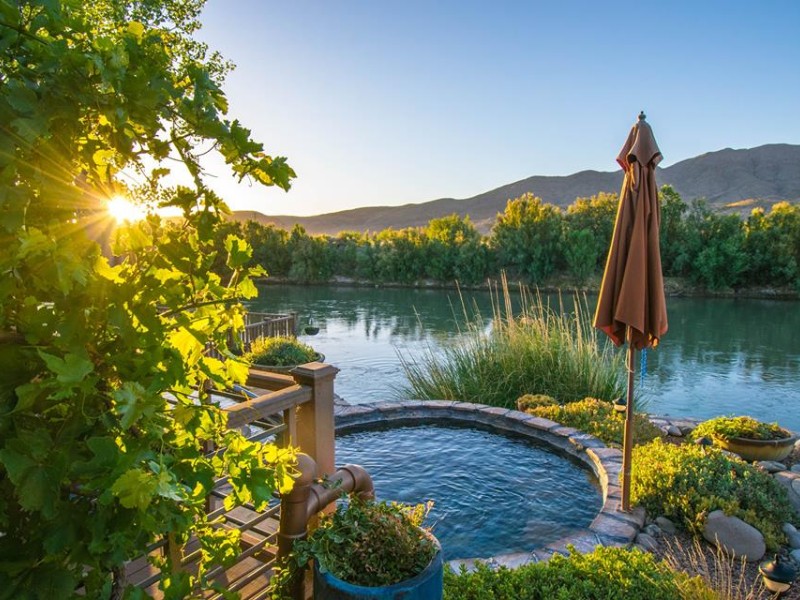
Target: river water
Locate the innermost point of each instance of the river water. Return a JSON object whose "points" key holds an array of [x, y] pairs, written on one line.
{"points": [[720, 356]]}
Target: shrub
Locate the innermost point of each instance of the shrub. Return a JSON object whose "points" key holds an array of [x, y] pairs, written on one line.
{"points": [[541, 351], [743, 427], [599, 419], [280, 352], [529, 401], [687, 482], [604, 573]]}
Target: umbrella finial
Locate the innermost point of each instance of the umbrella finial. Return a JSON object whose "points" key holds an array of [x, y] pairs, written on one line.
{"points": [[642, 116]]}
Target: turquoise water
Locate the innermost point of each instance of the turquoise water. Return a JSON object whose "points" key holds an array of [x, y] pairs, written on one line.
{"points": [[482, 507], [720, 356]]}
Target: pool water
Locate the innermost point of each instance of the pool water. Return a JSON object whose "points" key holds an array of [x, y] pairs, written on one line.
{"points": [[493, 494]]}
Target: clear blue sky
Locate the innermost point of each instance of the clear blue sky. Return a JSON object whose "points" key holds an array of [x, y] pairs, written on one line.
{"points": [[383, 102]]}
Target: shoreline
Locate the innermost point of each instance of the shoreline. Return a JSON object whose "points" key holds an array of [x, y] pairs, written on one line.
{"points": [[673, 287]]}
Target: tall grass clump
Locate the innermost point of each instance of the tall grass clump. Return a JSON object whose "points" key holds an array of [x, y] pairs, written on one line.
{"points": [[540, 350]]}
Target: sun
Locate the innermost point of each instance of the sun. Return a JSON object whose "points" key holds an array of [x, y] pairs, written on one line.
{"points": [[125, 211]]}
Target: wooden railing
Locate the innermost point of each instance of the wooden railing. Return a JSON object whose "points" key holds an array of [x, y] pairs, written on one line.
{"points": [[267, 325], [295, 410]]}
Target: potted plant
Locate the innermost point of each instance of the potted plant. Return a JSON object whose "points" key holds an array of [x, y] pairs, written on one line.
{"points": [[368, 549], [747, 437], [281, 353]]}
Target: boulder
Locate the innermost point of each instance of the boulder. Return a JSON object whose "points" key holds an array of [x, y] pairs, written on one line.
{"points": [[771, 466], [734, 536], [791, 481], [648, 542], [653, 530], [674, 431], [795, 554], [788, 528], [796, 468], [794, 539], [666, 525]]}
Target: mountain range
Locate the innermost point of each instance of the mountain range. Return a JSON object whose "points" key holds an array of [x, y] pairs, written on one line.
{"points": [[730, 180]]}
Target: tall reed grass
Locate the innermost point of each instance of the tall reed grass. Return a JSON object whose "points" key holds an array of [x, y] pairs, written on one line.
{"points": [[540, 350]]}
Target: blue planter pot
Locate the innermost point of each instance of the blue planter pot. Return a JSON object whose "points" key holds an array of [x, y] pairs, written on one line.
{"points": [[425, 586]]}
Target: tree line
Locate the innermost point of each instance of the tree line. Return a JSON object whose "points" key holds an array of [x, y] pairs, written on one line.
{"points": [[539, 243]]}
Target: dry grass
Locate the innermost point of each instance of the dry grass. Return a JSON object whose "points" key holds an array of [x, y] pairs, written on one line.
{"points": [[731, 578]]}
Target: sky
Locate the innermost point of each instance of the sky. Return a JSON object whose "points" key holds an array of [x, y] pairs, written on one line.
{"points": [[381, 102]]}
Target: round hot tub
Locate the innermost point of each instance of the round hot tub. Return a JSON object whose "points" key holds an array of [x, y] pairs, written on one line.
{"points": [[493, 493]]}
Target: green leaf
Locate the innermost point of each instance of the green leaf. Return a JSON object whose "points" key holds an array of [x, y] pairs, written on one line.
{"points": [[135, 488], [132, 402], [71, 369], [239, 251]]}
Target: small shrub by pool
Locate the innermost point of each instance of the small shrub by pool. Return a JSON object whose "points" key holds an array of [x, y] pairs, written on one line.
{"points": [[592, 416], [280, 352], [686, 482], [604, 573]]}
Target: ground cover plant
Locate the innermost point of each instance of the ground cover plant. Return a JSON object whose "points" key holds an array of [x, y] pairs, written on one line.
{"points": [[686, 482], [604, 574], [539, 350], [102, 323], [280, 352], [743, 427], [592, 416]]}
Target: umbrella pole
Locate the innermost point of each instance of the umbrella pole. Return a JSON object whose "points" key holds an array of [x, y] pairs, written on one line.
{"points": [[627, 440]]}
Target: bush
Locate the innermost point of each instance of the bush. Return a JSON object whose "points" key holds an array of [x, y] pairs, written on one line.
{"points": [[599, 419], [602, 574], [687, 482], [743, 427], [529, 401], [280, 352], [541, 351]]}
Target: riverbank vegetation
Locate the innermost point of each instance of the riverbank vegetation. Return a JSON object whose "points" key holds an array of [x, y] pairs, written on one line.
{"points": [[543, 245], [541, 350]]}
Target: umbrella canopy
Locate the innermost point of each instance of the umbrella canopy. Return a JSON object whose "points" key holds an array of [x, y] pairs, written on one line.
{"points": [[632, 291]]}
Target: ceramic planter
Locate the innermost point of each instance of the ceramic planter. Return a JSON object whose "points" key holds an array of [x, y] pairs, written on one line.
{"points": [[425, 586], [752, 450]]}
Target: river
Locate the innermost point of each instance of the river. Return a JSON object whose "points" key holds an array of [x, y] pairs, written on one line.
{"points": [[720, 356]]}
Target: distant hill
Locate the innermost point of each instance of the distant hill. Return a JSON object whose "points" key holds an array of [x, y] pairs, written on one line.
{"points": [[731, 180]]}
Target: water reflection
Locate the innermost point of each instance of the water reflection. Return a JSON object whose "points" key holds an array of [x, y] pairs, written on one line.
{"points": [[720, 356]]}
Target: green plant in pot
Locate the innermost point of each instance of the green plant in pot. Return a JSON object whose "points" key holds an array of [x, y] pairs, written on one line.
{"points": [[368, 549], [749, 438], [281, 353]]}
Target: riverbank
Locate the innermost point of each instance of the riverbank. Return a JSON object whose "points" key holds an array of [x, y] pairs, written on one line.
{"points": [[674, 287]]}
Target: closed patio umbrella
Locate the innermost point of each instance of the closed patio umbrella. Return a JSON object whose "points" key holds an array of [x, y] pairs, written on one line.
{"points": [[631, 306]]}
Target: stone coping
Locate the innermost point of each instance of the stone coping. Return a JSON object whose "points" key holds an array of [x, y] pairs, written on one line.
{"points": [[611, 526]]}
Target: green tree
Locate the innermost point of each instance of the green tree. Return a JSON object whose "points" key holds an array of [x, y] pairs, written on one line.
{"points": [[596, 215], [310, 256], [772, 244], [455, 250], [270, 248], [580, 253], [527, 235], [714, 247], [102, 432], [672, 233], [400, 255]]}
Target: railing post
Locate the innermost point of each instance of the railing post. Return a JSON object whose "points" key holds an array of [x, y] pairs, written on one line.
{"points": [[315, 426]]}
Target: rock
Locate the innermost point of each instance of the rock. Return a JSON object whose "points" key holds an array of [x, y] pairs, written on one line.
{"points": [[794, 539], [734, 536], [666, 525], [653, 530], [648, 542], [686, 429], [771, 466], [795, 555], [674, 430], [796, 468], [791, 481], [788, 528]]}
